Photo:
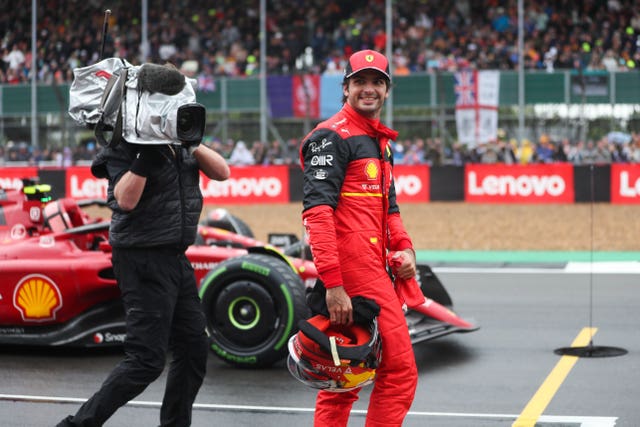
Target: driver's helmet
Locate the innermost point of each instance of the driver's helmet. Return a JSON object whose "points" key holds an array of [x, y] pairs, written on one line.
{"points": [[334, 358]]}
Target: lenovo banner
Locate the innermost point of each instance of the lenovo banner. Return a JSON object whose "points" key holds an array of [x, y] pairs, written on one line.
{"points": [[248, 185], [11, 178], [252, 184], [412, 183], [81, 184], [625, 183], [539, 183]]}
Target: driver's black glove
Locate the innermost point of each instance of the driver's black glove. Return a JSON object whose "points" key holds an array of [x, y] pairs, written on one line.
{"points": [[147, 159]]}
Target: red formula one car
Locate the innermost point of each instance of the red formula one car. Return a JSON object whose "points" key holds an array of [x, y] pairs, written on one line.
{"points": [[58, 289]]}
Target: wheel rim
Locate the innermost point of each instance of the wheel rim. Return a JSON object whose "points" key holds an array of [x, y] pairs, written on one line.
{"points": [[244, 313], [244, 316]]}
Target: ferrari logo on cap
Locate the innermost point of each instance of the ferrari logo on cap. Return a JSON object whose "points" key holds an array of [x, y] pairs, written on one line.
{"points": [[37, 298], [368, 58]]}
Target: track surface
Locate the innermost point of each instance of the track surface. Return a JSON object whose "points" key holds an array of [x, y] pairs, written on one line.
{"points": [[504, 374]]}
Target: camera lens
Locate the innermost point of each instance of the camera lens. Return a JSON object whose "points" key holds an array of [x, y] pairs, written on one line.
{"points": [[190, 122], [185, 121]]}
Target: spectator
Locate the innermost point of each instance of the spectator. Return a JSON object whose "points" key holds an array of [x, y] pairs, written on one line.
{"points": [[274, 154], [619, 152], [560, 154], [459, 155], [634, 155], [588, 153], [602, 153], [544, 149], [415, 153], [574, 153], [14, 58], [206, 80], [398, 152], [241, 156], [292, 154], [434, 153], [259, 152], [506, 153], [488, 152], [526, 153]]}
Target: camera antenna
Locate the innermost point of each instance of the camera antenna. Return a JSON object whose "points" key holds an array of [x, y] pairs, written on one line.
{"points": [[105, 28]]}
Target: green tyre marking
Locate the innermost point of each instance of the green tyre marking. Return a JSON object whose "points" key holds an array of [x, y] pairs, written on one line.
{"points": [[256, 268], [213, 276], [287, 330], [247, 360], [232, 318]]}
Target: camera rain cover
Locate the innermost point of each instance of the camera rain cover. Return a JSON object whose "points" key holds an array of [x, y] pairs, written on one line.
{"points": [[100, 91], [88, 88], [152, 118]]}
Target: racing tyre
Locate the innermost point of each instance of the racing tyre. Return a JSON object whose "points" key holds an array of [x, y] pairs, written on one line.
{"points": [[253, 304]]}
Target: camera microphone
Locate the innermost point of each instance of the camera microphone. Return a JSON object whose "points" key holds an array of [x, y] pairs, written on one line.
{"points": [[160, 78]]}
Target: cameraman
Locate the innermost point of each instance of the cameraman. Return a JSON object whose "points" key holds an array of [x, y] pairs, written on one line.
{"points": [[156, 201]]}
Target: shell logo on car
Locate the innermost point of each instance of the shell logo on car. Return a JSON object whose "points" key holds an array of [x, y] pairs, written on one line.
{"points": [[37, 298]]}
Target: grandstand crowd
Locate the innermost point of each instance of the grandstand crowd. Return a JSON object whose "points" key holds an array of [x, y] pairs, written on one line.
{"points": [[208, 40], [212, 39]]}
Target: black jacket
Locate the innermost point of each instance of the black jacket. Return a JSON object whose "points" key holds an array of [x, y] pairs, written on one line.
{"points": [[168, 212]]}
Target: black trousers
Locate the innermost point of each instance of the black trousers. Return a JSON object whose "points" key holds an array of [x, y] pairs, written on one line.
{"points": [[163, 313]]}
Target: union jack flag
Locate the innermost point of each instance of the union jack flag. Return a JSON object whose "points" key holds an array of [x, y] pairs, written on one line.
{"points": [[465, 87]]}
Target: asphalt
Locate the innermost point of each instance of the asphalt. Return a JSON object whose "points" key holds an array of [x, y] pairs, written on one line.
{"points": [[504, 374]]}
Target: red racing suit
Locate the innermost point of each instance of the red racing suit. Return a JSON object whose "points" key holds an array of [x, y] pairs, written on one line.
{"points": [[352, 219]]}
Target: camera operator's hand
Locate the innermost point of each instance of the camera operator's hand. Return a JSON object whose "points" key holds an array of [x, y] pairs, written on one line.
{"points": [[191, 146], [148, 158]]}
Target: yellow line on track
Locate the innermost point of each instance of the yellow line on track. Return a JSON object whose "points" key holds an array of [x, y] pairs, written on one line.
{"points": [[538, 403]]}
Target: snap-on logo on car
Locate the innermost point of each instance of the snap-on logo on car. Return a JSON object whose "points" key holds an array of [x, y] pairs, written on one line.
{"points": [[108, 337], [37, 298]]}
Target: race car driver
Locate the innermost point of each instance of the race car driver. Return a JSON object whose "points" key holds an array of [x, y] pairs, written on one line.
{"points": [[352, 220]]}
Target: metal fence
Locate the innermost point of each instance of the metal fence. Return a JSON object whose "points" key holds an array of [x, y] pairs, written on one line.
{"points": [[564, 103]]}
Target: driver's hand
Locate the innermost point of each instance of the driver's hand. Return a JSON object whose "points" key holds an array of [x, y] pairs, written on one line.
{"points": [[407, 268], [339, 306]]}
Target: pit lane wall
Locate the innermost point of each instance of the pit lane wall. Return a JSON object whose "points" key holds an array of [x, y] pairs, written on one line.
{"points": [[472, 183]]}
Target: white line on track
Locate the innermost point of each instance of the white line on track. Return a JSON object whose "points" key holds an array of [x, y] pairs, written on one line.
{"points": [[579, 420], [623, 267]]}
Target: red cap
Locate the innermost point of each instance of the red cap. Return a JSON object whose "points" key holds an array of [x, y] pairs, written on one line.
{"points": [[367, 60]]}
